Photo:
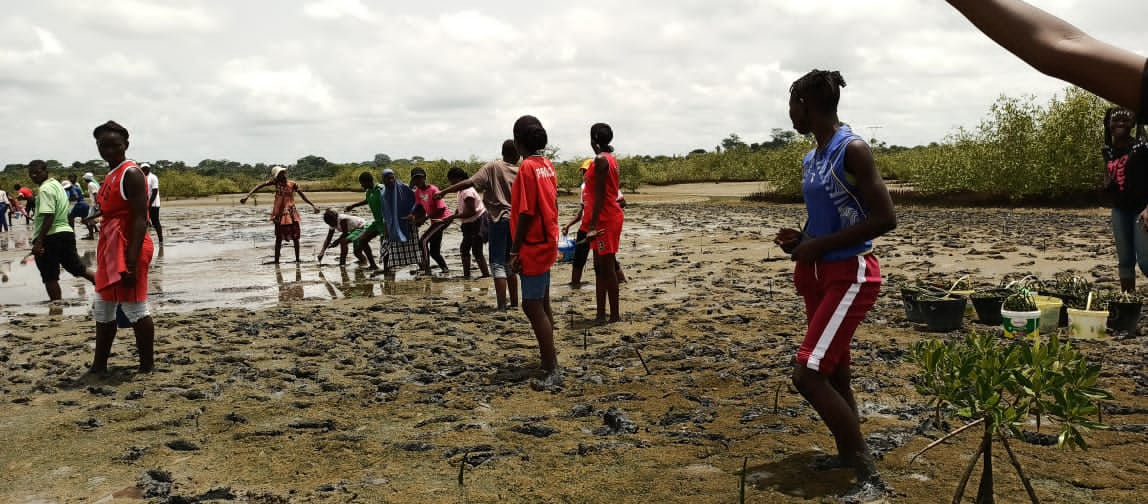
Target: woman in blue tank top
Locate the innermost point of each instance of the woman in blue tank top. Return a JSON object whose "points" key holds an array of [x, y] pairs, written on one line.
{"points": [[835, 272]]}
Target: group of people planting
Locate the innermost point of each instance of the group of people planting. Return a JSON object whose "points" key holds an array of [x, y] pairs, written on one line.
{"points": [[836, 272]]}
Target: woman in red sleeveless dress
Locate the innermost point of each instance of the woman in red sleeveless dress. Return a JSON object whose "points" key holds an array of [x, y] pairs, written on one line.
{"points": [[124, 251]]}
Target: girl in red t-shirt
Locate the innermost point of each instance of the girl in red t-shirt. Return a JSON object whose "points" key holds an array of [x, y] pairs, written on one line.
{"points": [[534, 226], [603, 220]]}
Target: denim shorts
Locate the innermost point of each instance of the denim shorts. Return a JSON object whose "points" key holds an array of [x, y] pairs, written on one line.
{"points": [[500, 242], [534, 287]]}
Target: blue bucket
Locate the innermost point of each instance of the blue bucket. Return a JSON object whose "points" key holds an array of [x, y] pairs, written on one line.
{"points": [[565, 249]]}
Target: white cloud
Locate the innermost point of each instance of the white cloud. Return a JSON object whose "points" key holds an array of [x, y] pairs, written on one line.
{"points": [[274, 80], [337, 9]]}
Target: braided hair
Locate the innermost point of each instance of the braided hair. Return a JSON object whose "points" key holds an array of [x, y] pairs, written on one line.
{"points": [[529, 132], [110, 127], [601, 135], [1113, 112], [820, 88]]}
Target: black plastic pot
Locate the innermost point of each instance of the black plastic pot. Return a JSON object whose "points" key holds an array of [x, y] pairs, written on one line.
{"points": [[912, 309], [988, 309], [943, 315], [1123, 316]]}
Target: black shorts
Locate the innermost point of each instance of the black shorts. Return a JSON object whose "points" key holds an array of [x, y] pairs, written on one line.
{"points": [[59, 250]]}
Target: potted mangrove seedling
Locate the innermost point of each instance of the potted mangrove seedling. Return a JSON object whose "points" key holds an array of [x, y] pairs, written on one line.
{"points": [[1070, 289], [1124, 311], [1084, 322], [1020, 315], [909, 296], [943, 312], [987, 303]]}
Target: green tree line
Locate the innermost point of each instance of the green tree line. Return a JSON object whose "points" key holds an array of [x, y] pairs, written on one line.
{"points": [[1021, 151]]}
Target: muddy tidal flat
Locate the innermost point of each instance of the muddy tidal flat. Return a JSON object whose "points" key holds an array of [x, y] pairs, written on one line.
{"points": [[317, 383]]}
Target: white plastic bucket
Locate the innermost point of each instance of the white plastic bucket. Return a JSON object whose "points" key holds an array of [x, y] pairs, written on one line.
{"points": [[1022, 324], [1087, 324]]}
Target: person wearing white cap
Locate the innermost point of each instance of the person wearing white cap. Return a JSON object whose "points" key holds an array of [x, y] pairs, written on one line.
{"points": [[283, 212], [153, 200]]}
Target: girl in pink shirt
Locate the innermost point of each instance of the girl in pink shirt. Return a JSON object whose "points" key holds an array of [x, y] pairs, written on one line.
{"points": [[434, 209]]}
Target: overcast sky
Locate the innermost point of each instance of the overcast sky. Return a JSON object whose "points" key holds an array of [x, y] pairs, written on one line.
{"points": [[274, 80]]}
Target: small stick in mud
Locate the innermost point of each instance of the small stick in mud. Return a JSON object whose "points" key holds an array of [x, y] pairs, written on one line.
{"points": [[585, 339], [741, 482], [776, 397], [640, 358], [462, 469]]}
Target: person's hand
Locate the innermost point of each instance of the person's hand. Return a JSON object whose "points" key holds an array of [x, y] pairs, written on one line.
{"points": [[128, 277], [566, 230], [348, 208], [590, 235], [439, 196], [319, 257], [315, 208], [807, 251], [515, 264], [37, 248], [243, 200], [787, 239], [1143, 219]]}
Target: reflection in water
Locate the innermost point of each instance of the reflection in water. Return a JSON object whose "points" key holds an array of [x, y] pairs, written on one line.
{"points": [[290, 291]]}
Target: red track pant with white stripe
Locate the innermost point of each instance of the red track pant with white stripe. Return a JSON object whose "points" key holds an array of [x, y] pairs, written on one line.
{"points": [[837, 296]]}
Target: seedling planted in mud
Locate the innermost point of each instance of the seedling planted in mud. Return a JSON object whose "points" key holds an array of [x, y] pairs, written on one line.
{"points": [[1000, 385]]}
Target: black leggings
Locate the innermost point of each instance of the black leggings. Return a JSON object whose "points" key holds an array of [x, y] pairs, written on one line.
{"points": [[431, 243], [472, 241], [153, 216]]}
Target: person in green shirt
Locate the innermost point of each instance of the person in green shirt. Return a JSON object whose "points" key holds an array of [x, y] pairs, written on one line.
{"points": [[53, 243], [373, 198]]}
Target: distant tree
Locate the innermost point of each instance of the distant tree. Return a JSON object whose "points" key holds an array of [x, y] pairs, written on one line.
{"points": [[381, 160], [312, 166], [551, 152], [732, 142], [696, 152], [16, 168], [417, 159]]}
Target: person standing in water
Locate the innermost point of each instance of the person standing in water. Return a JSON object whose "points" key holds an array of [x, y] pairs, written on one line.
{"points": [[432, 209], [153, 201], [603, 220], [534, 228], [123, 252], [495, 181], [349, 228], [836, 272], [373, 198], [53, 241], [1126, 158], [471, 214], [93, 207], [283, 212]]}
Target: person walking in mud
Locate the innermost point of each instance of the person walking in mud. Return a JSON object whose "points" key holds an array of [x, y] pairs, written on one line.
{"points": [[836, 272], [471, 214], [401, 246], [373, 198], [434, 210], [80, 207], [581, 245], [53, 241], [1126, 181], [123, 252], [495, 181], [603, 221], [283, 212], [534, 227], [153, 201], [93, 207]]}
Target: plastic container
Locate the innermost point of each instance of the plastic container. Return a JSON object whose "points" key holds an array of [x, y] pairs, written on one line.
{"points": [[912, 309], [968, 306], [943, 315], [1123, 316], [988, 309], [565, 249], [1049, 311], [1089, 324], [1021, 324]]}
